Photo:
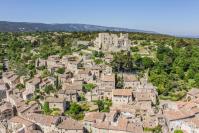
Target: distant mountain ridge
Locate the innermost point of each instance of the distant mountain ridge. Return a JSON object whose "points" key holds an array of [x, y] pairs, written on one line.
{"points": [[6, 26]]}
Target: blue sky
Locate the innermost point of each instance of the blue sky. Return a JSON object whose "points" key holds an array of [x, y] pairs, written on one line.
{"points": [[179, 17]]}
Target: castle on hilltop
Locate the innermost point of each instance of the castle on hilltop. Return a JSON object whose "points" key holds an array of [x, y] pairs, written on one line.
{"points": [[112, 42]]}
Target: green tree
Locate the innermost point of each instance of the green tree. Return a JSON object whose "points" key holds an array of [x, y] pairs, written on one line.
{"points": [[178, 131], [61, 70], [100, 105], [46, 108], [75, 111], [48, 89], [134, 49], [20, 86], [147, 62], [89, 86], [197, 79]]}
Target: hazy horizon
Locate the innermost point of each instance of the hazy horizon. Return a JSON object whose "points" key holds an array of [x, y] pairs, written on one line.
{"points": [[175, 17]]}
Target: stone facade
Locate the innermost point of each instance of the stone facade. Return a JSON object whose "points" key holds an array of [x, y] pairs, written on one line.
{"points": [[112, 42]]}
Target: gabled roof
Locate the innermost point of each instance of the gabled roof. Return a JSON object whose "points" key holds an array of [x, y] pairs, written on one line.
{"points": [[122, 92], [178, 114], [70, 124], [21, 120], [108, 78], [93, 116], [42, 119]]}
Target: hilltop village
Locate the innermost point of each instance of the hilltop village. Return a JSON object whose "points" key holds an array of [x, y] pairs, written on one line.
{"points": [[92, 90]]}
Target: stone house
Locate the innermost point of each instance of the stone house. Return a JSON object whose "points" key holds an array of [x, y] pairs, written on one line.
{"points": [[112, 122], [69, 126], [69, 95], [59, 103], [122, 96], [47, 81], [96, 71], [11, 79], [31, 86], [40, 63], [91, 118], [64, 77], [85, 75], [72, 63], [123, 126], [190, 126], [107, 93], [46, 123], [73, 86], [54, 62], [130, 80], [6, 111], [110, 42], [175, 119], [145, 96], [108, 81], [20, 125], [150, 122]]}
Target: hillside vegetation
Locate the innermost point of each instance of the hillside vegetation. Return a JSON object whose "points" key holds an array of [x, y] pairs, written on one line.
{"points": [[172, 64]]}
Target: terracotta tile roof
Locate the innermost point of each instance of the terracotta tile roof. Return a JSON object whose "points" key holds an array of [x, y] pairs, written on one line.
{"points": [[177, 114], [41, 119], [24, 108], [21, 120], [93, 116], [141, 96], [70, 124], [33, 131], [102, 125], [122, 92], [189, 106], [133, 128], [108, 78], [122, 125]]}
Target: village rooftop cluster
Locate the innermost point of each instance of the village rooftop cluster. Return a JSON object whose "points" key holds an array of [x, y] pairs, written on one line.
{"points": [[44, 103]]}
